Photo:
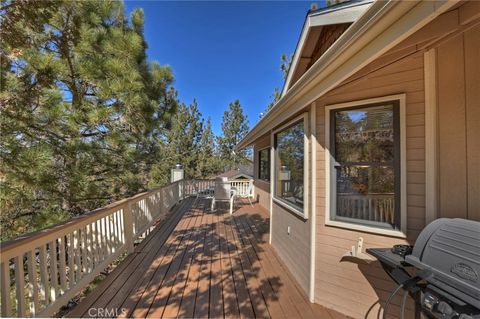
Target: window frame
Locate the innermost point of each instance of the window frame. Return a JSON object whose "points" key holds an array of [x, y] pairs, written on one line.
{"points": [[400, 168], [300, 212], [259, 151]]}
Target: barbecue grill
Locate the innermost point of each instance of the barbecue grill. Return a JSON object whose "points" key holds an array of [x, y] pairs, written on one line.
{"points": [[445, 261]]}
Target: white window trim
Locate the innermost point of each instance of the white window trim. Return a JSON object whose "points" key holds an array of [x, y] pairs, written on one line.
{"points": [[306, 132], [403, 169], [257, 177]]}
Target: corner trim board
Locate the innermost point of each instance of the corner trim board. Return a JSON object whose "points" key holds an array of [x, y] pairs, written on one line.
{"points": [[431, 158], [313, 201]]}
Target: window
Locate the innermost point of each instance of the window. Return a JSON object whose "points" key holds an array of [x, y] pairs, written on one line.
{"points": [[365, 179], [289, 187], [264, 164]]}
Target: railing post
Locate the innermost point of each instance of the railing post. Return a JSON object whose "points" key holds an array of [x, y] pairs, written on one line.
{"points": [[183, 189], [179, 188], [128, 226]]}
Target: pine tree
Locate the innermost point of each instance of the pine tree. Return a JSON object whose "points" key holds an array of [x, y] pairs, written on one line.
{"points": [[182, 140], [83, 111], [234, 128], [286, 62], [274, 98], [208, 161]]}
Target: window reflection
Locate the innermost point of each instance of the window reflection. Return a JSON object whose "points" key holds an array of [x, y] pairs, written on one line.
{"points": [[264, 164], [289, 164], [366, 163]]}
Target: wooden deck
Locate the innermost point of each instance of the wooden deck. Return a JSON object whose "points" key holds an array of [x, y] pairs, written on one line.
{"points": [[202, 264]]}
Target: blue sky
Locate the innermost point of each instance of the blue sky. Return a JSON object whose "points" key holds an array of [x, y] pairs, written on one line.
{"points": [[222, 51]]}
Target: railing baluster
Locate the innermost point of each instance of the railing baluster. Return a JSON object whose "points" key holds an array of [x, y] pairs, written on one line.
{"points": [[99, 241], [122, 228], [32, 282], [5, 284], [71, 261], [90, 248], [102, 239], [43, 273], [114, 232], [83, 244], [63, 266], [77, 255], [95, 245], [20, 285], [53, 270], [118, 230], [108, 238]]}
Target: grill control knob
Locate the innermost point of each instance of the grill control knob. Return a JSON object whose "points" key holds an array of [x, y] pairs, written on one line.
{"points": [[444, 308]]}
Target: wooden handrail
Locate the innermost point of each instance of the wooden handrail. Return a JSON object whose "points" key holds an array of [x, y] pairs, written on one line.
{"points": [[65, 226], [83, 219]]}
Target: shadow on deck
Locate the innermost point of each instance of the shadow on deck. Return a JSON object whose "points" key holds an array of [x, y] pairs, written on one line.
{"points": [[202, 264]]}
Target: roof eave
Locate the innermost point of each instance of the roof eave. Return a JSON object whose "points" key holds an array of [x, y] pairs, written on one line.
{"points": [[375, 32], [311, 21]]}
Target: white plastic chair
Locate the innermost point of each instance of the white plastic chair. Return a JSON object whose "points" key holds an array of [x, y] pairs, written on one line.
{"points": [[223, 193]]}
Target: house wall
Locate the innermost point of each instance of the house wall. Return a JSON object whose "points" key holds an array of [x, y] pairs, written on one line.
{"points": [[347, 287], [458, 125], [261, 187], [360, 290], [294, 248]]}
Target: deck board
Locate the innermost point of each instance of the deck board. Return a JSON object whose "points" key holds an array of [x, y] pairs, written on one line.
{"points": [[202, 264]]}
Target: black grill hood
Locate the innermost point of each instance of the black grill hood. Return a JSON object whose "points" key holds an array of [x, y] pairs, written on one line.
{"points": [[448, 250]]}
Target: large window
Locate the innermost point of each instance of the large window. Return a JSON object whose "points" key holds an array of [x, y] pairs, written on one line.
{"points": [[264, 164], [365, 165], [289, 187]]}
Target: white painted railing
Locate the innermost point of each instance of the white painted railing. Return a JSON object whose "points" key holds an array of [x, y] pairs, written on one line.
{"points": [[372, 207], [41, 271], [244, 188], [193, 187]]}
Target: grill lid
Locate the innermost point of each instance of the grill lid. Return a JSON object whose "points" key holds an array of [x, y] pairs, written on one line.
{"points": [[449, 250]]}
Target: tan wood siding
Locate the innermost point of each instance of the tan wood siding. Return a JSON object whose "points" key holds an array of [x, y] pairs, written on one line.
{"points": [[262, 188], [262, 193], [352, 289], [293, 248], [358, 290], [459, 125], [472, 103]]}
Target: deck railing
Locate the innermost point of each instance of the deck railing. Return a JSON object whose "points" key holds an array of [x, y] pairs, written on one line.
{"points": [[244, 188], [193, 187], [40, 272]]}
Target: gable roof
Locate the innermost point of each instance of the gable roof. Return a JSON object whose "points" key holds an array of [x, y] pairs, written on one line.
{"points": [[316, 20], [242, 170], [381, 27]]}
